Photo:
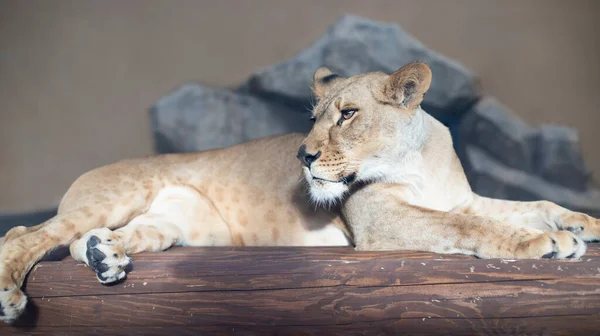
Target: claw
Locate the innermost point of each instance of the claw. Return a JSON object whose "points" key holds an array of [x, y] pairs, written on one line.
{"points": [[550, 255], [575, 229]]}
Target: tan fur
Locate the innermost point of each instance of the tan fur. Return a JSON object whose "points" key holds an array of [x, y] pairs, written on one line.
{"points": [[381, 172]]}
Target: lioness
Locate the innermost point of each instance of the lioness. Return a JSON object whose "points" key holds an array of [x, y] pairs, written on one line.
{"points": [[375, 171]]}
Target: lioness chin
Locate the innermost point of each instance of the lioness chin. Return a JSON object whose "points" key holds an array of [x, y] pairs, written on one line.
{"points": [[376, 171]]}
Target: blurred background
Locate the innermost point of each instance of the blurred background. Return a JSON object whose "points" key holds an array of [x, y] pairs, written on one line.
{"points": [[77, 78]]}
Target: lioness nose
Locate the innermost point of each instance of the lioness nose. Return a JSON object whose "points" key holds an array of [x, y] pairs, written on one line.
{"points": [[305, 157]]}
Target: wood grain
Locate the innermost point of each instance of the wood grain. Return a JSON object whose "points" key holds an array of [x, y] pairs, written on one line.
{"points": [[564, 325], [316, 291]]}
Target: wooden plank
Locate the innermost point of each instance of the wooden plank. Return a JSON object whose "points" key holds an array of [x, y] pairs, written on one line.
{"points": [[564, 325], [206, 261], [205, 269], [316, 290], [326, 305]]}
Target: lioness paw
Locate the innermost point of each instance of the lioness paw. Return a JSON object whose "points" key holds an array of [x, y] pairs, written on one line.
{"points": [[103, 252], [584, 226], [557, 245]]}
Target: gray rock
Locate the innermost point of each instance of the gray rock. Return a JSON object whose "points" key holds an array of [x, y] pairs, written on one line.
{"points": [[195, 118], [548, 151], [558, 157], [354, 45], [488, 177], [494, 128]]}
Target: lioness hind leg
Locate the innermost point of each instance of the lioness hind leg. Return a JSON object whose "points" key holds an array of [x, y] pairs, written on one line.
{"points": [[542, 215], [20, 253], [178, 215]]}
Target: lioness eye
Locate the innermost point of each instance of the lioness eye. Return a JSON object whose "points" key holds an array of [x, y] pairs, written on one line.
{"points": [[313, 119], [347, 114]]}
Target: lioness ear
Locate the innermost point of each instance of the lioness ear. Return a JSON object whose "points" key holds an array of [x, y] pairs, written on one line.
{"points": [[323, 79], [408, 84]]}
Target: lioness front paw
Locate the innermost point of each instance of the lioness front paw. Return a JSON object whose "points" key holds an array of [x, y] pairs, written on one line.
{"points": [[12, 301], [584, 226], [102, 251], [554, 245]]}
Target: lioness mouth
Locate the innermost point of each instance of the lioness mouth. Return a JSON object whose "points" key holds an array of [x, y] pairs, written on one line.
{"points": [[343, 179], [325, 180]]}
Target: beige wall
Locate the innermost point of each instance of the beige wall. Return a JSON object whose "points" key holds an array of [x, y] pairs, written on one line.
{"points": [[77, 77]]}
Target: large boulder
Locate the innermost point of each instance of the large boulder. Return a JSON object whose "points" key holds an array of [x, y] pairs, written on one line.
{"points": [[275, 100], [557, 157], [355, 45], [548, 151], [195, 118], [492, 178]]}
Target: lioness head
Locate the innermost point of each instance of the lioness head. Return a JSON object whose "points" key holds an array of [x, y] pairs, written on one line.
{"points": [[363, 126]]}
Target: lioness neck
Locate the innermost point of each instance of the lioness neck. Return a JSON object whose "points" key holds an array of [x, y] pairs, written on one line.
{"points": [[426, 163]]}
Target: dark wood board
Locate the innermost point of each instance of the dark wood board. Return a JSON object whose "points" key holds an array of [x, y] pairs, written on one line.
{"points": [[307, 291]]}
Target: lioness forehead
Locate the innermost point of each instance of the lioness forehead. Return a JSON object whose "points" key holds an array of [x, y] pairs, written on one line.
{"points": [[351, 93]]}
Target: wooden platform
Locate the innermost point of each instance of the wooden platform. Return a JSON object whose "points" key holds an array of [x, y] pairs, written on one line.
{"points": [[191, 291]]}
